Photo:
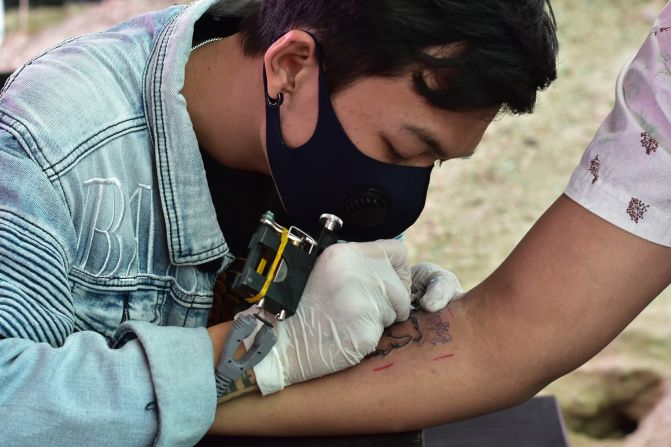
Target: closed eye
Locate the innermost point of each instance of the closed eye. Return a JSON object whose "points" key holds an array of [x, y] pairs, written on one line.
{"points": [[394, 155]]}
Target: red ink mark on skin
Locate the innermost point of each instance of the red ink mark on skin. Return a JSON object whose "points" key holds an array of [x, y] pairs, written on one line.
{"points": [[442, 357], [383, 367], [449, 311]]}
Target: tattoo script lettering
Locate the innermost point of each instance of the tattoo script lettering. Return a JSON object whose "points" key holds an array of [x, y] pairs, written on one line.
{"points": [[442, 329]]}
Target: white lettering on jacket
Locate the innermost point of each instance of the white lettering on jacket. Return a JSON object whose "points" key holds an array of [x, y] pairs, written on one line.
{"points": [[100, 246]]}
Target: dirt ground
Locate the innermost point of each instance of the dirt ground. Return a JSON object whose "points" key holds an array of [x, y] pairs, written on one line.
{"points": [[479, 209]]}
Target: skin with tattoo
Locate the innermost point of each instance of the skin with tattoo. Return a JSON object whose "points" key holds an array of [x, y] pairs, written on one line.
{"points": [[244, 384], [419, 328], [569, 287], [399, 336], [423, 344]]}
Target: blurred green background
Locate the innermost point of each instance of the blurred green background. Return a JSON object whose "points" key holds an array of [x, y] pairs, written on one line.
{"points": [[478, 209]]}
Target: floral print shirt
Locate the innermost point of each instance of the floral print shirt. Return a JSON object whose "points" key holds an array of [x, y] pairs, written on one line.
{"points": [[625, 174]]}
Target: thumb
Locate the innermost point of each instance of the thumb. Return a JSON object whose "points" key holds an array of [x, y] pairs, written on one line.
{"points": [[440, 291]]}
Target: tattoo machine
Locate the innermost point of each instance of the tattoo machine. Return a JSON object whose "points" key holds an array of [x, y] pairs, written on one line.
{"points": [[273, 278]]}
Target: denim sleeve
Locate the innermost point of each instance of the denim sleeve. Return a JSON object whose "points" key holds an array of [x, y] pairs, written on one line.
{"points": [[61, 387]]}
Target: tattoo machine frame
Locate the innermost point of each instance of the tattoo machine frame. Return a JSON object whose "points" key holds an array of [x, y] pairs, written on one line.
{"points": [[273, 278]]}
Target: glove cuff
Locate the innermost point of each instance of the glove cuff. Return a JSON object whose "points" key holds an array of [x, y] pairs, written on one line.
{"points": [[269, 373]]}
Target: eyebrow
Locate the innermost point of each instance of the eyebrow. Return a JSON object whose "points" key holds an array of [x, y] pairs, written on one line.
{"points": [[430, 140]]}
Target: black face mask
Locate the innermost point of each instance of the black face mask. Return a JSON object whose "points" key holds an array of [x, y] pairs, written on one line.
{"points": [[328, 174]]}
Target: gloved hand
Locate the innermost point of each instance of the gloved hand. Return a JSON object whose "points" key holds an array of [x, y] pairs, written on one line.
{"points": [[434, 287], [354, 291]]}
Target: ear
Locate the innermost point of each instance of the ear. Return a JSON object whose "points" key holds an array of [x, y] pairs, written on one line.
{"points": [[291, 62]]}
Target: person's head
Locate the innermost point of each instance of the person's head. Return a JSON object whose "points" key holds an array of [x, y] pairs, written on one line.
{"points": [[411, 82], [461, 56]]}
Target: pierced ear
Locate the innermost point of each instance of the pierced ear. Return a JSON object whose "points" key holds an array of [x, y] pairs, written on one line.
{"points": [[288, 60]]}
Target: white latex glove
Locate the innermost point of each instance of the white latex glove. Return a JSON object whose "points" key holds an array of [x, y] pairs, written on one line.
{"points": [[354, 291], [434, 286]]}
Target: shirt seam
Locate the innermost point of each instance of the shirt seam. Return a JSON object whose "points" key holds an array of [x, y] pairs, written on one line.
{"points": [[77, 153]]}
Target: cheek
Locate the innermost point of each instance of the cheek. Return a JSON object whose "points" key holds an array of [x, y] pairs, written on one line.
{"points": [[362, 126], [297, 127]]}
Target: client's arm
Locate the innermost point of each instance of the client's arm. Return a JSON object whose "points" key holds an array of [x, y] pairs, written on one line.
{"points": [[565, 292]]}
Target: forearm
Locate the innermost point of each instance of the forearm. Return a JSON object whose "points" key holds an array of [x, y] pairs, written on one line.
{"points": [[246, 383], [566, 291], [428, 370]]}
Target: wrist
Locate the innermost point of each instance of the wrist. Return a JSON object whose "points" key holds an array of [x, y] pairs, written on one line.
{"points": [[218, 335], [238, 346], [244, 384]]}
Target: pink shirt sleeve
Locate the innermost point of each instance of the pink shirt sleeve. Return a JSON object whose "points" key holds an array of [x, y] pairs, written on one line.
{"points": [[625, 174]]}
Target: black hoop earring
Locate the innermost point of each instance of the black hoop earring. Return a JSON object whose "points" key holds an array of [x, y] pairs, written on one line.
{"points": [[275, 102]]}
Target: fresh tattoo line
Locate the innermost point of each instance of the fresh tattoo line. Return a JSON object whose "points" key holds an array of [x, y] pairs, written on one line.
{"points": [[398, 336], [244, 384]]}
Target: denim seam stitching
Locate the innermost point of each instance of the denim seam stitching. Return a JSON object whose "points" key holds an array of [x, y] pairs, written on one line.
{"points": [[61, 249], [29, 268], [19, 139], [77, 154], [135, 283], [16, 329], [30, 61], [37, 155], [34, 311], [40, 161], [158, 113]]}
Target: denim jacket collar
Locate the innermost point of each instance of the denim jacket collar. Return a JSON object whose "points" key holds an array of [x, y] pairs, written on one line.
{"points": [[193, 233]]}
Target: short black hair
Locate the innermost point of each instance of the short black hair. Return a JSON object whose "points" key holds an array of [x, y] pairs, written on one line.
{"points": [[502, 51]]}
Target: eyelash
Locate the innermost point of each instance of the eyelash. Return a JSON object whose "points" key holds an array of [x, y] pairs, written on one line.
{"points": [[398, 158]]}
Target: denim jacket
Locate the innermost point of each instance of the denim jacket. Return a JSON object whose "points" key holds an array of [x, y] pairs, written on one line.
{"points": [[109, 243]]}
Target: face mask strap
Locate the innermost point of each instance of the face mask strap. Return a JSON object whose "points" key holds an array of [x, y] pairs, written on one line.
{"points": [[318, 48]]}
